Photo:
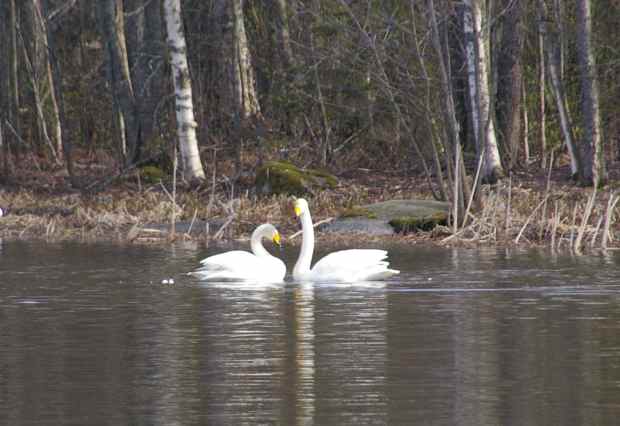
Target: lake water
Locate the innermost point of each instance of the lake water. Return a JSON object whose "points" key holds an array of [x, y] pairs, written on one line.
{"points": [[89, 335]]}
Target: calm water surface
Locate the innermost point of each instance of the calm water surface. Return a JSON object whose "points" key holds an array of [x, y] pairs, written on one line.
{"points": [[89, 335]]}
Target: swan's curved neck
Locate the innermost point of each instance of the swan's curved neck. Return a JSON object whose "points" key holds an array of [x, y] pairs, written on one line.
{"points": [[307, 246], [257, 245]]}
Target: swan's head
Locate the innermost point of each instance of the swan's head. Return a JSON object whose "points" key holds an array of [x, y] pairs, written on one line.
{"points": [[267, 230], [300, 206]]}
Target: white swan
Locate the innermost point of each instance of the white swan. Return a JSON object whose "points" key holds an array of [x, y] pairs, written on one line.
{"points": [[240, 265], [341, 266]]}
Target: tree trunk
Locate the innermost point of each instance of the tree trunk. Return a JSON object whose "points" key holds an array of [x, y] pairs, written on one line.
{"points": [[542, 116], [491, 166], [449, 111], [186, 123], [510, 76], [593, 165], [112, 28], [248, 97], [14, 106], [4, 80], [283, 34], [557, 86], [36, 66], [144, 40], [472, 79], [239, 98], [57, 87], [47, 72]]}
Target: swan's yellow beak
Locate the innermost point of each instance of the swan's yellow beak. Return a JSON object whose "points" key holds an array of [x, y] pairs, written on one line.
{"points": [[276, 238], [297, 210]]}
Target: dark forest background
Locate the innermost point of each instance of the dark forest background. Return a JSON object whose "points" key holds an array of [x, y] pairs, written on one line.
{"points": [[387, 85]]}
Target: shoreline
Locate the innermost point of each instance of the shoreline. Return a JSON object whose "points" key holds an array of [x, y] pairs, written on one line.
{"points": [[519, 214]]}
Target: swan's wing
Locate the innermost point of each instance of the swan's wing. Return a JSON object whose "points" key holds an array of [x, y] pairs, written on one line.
{"points": [[227, 260], [353, 265], [239, 265]]}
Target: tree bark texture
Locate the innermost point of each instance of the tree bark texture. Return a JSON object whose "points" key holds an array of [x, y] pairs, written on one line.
{"points": [[491, 166], [186, 123], [510, 79], [593, 155], [4, 80], [472, 77], [144, 35], [552, 58], [113, 32], [248, 97], [542, 115], [58, 91], [14, 106], [449, 111], [283, 34]]}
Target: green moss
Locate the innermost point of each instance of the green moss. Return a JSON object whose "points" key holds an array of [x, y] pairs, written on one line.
{"points": [[329, 179], [151, 174], [357, 211], [283, 177], [407, 224]]}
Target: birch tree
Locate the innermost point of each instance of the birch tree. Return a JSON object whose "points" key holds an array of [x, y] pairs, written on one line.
{"points": [[491, 164], [186, 123], [472, 77], [593, 155]]}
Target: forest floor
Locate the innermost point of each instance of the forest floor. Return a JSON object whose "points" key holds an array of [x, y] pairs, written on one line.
{"points": [[528, 209]]}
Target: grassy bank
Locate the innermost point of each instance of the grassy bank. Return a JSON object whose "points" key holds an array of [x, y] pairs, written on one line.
{"points": [[523, 211]]}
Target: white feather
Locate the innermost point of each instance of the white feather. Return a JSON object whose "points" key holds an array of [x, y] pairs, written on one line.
{"points": [[353, 265], [239, 265]]}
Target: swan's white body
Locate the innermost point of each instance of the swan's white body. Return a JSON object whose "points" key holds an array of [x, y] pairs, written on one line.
{"points": [[341, 266], [239, 265]]}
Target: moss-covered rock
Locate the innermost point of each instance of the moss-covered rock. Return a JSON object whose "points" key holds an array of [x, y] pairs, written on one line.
{"points": [[283, 177], [357, 212], [151, 174], [397, 215], [407, 224]]}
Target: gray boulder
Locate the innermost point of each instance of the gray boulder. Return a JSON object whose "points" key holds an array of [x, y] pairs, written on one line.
{"points": [[391, 216]]}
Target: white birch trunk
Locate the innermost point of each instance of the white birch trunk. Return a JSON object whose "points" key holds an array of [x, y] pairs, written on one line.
{"points": [[492, 166], [472, 83], [186, 123]]}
